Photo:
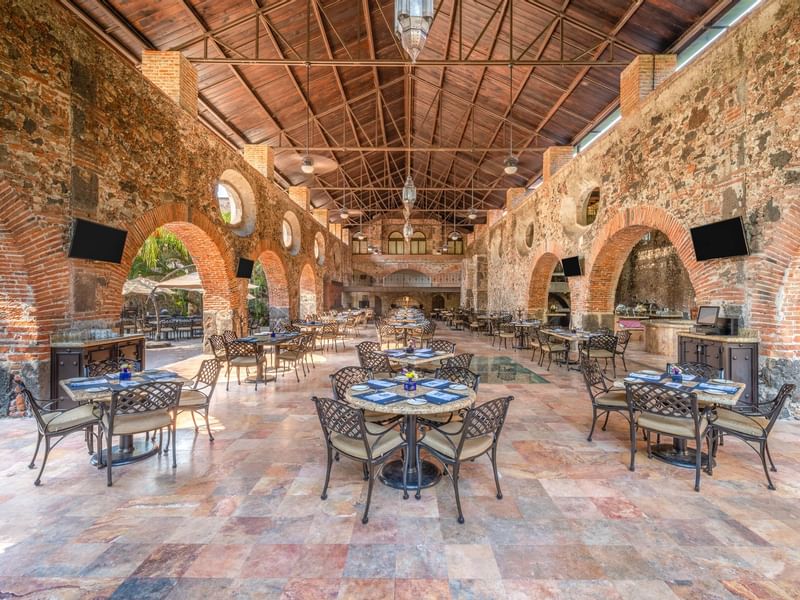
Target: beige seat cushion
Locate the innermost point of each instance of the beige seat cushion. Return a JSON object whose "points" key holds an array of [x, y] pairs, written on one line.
{"points": [[734, 421], [679, 426], [374, 416], [356, 447], [74, 417], [244, 361], [613, 398], [597, 353], [291, 355], [149, 421], [192, 398], [441, 442]]}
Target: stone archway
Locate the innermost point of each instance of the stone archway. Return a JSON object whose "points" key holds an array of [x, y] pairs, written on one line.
{"points": [[614, 243], [277, 284], [308, 292], [539, 286], [210, 252]]}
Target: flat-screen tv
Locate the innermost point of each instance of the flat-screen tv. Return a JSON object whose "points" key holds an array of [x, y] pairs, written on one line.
{"points": [[94, 241], [571, 266], [244, 268], [707, 315], [720, 239]]}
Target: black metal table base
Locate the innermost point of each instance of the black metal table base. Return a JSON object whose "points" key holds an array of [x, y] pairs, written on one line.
{"points": [[392, 475], [128, 450], [679, 456]]}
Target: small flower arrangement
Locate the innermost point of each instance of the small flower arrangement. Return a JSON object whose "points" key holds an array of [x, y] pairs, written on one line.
{"points": [[411, 375], [125, 371], [410, 384], [677, 374]]}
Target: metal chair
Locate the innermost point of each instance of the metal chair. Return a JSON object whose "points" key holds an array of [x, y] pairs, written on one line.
{"points": [[466, 440], [603, 400], [752, 425], [665, 410], [459, 360], [241, 354], [141, 409], [623, 337], [603, 345], [698, 369], [58, 424], [460, 375], [229, 336], [445, 346], [196, 395], [347, 433], [99, 368], [293, 352], [552, 347]]}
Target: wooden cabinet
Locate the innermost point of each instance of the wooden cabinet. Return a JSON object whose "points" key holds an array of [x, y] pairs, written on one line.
{"points": [[737, 358], [69, 359]]}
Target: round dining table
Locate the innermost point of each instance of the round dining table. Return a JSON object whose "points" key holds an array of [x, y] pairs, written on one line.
{"points": [[392, 472]]}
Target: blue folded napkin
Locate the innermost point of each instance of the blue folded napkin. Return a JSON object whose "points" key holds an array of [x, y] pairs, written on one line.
{"points": [[646, 377], [441, 397], [381, 397], [247, 339], [86, 383], [380, 383], [728, 389], [434, 383], [674, 384], [157, 374]]}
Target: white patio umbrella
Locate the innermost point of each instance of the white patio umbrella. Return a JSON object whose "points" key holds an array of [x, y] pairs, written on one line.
{"points": [[141, 286], [190, 282]]}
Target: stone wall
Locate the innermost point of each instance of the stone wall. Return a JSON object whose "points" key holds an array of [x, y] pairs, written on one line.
{"points": [[653, 272], [84, 134], [717, 139]]}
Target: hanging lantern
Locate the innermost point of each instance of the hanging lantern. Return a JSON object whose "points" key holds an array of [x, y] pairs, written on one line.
{"points": [[473, 214], [412, 22], [511, 164], [307, 166], [359, 235], [409, 192], [455, 235], [344, 214], [408, 231]]}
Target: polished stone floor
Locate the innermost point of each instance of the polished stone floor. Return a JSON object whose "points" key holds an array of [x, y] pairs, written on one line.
{"points": [[242, 518]]}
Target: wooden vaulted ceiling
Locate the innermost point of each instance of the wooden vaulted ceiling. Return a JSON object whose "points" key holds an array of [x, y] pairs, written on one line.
{"points": [[251, 55]]}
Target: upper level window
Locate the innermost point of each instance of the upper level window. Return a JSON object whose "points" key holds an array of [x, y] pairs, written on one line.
{"points": [[230, 206], [360, 246], [396, 244], [455, 246], [287, 234], [592, 205], [419, 243]]}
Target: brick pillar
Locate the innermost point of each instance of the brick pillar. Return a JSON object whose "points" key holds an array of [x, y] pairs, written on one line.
{"points": [[642, 76], [335, 229], [514, 196], [346, 236], [174, 75], [321, 216], [301, 196], [262, 158], [554, 158]]}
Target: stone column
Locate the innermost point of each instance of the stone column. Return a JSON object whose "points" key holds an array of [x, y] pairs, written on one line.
{"points": [[301, 196], [554, 158], [641, 77], [174, 75], [262, 158]]}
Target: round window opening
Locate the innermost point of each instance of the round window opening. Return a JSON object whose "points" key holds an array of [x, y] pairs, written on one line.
{"points": [[230, 205], [529, 236], [287, 234], [319, 248]]}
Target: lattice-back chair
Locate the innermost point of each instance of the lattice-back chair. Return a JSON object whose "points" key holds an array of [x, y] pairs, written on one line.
{"points": [[699, 369], [623, 338], [752, 425], [604, 401], [141, 409], [347, 433], [552, 347], [477, 434], [328, 335], [53, 424], [459, 360], [460, 375], [196, 395], [98, 368], [601, 346], [668, 411], [310, 346], [293, 352], [229, 335], [445, 346], [217, 344], [346, 377], [241, 354], [423, 335], [534, 340], [377, 363], [363, 347]]}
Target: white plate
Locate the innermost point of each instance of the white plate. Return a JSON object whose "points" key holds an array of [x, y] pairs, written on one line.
{"points": [[416, 401], [458, 386], [722, 381], [360, 387], [714, 392], [618, 385], [649, 372]]}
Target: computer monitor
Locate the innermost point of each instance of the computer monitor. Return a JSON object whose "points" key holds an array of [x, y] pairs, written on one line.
{"points": [[707, 315]]}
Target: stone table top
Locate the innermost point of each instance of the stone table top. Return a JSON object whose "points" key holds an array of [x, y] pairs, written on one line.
{"points": [[404, 408]]}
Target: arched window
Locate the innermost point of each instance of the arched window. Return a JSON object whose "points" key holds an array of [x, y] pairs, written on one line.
{"points": [[396, 244], [419, 243], [455, 246], [592, 205], [360, 246]]}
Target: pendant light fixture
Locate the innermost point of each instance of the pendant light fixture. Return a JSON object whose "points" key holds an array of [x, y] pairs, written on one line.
{"points": [[408, 231], [472, 214], [359, 235], [511, 163], [412, 23], [454, 235], [307, 166], [409, 192]]}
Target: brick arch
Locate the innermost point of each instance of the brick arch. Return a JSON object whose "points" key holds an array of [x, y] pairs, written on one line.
{"points": [[614, 242], [308, 296], [775, 288], [210, 252], [539, 285], [277, 282]]}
